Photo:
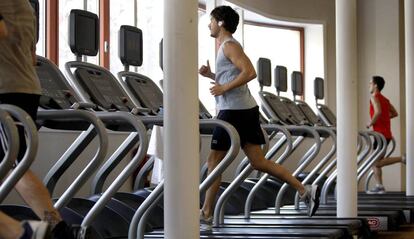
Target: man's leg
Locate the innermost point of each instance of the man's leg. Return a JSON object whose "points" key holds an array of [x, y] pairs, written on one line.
{"points": [[35, 194], [377, 174], [9, 228], [377, 168], [388, 161], [213, 160], [259, 162]]}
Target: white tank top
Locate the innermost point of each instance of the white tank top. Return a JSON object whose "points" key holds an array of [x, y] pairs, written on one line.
{"points": [[238, 98]]}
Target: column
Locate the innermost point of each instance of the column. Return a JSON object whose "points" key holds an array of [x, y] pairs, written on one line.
{"points": [[181, 151], [409, 88], [346, 89]]}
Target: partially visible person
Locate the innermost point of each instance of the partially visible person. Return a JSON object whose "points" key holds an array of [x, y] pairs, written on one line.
{"points": [[381, 112], [19, 86], [3, 28]]}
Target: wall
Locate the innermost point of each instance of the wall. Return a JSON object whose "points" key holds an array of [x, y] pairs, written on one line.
{"points": [[380, 51], [315, 11], [379, 54]]}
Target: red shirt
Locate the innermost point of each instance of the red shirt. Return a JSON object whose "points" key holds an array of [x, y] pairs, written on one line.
{"points": [[383, 124]]}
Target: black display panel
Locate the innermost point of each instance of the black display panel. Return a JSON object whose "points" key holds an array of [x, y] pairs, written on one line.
{"points": [[264, 72], [297, 83], [281, 78], [83, 33], [102, 90], [55, 93], [35, 6], [146, 91], [130, 45]]}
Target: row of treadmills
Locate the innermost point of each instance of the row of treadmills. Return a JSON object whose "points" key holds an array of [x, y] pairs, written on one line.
{"points": [[91, 100]]}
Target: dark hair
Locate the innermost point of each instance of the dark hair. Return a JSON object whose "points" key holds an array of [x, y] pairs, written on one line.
{"points": [[228, 15], [379, 81]]}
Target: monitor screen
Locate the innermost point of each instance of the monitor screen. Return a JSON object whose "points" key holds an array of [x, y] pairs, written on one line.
{"points": [[35, 6], [84, 33], [130, 45], [85, 36]]}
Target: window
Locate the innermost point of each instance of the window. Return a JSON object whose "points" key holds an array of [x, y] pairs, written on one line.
{"points": [[65, 6], [41, 44], [122, 13], [281, 46], [151, 22]]}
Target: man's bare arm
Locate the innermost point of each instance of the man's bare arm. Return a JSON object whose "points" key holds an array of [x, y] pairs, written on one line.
{"points": [[393, 111], [377, 111]]}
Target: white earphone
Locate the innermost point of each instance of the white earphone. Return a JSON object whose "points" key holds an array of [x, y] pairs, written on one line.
{"points": [[220, 23]]}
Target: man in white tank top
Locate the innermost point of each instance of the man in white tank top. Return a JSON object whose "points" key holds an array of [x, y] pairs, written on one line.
{"points": [[237, 106]]}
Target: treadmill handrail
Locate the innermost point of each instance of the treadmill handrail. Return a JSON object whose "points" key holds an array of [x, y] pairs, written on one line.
{"points": [[305, 163], [331, 179], [31, 149], [321, 163], [382, 145], [137, 226], [127, 171], [371, 173], [12, 142], [103, 173], [55, 172]]}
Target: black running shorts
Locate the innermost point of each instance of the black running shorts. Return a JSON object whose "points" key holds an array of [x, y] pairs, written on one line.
{"points": [[375, 145], [247, 125], [27, 102]]}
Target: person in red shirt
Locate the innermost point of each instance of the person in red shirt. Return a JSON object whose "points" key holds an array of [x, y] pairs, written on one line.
{"points": [[381, 112]]}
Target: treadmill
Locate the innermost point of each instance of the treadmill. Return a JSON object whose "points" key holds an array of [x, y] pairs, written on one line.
{"points": [[223, 230], [388, 220], [389, 198], [99, 87]]}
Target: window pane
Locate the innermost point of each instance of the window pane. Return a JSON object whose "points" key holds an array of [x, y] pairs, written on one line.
{"points": [[151, 22], [41, 44], [65, 6], [281, 46], [122, 13], [205, 49], [93, 6]]}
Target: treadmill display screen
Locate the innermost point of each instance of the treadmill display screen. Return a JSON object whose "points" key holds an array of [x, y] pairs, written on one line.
{"points": [[52, 88], [145, 90], [84, 39], [328, 114], [101, 89], [134, 47], [297, 114], [310, 115], [130, 45], [278, 108]]}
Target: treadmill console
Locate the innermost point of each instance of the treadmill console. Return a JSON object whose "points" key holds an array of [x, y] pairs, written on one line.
{"points": [[310, 115], [55, 93], [297, 114], [278, 108], [102, 90], [328, 114], [146, 91]]}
